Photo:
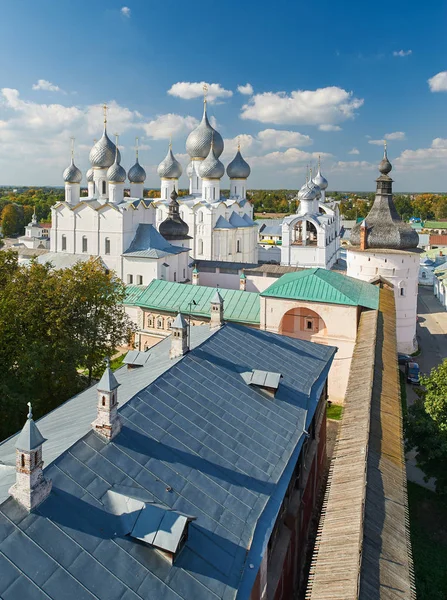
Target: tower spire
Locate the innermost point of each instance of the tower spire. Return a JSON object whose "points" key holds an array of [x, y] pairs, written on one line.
{"points": [[72, 148], [136, 148], [238, 143], [170, 141], [104, 110], [205, 92], [385, 155], [117, 137]]}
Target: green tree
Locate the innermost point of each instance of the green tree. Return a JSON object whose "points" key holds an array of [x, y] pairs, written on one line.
{"points": [[427, 426], [10, 220]]}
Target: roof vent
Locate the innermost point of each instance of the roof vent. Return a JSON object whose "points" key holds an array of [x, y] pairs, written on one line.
{"points": [[154, 524], [265, 380], [135, 359]]}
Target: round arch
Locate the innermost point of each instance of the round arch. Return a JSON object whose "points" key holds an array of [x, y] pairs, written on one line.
{"points": [[302, 323]]}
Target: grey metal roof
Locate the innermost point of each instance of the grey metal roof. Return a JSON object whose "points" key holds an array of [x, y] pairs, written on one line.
{"points": [[197, 440], [272, 230], [179, 322], [149, 243], [264, 379], [62, 260], [136, 357], [222, 223]]}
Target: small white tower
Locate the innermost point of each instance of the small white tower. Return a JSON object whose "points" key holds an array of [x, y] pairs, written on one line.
{"points": [[116, 176], [107, 423], [169, 171], [72, 177], [238, 171], [90, 183], [217, 311], [179, 337], [31, 488], [137, 176], [195, 276]]}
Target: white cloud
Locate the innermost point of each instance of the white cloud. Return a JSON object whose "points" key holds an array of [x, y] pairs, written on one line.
{"points": [[402, 53], [354, 151], [434, 157], [329, 128], [188, 90], [164, 126], [125, 11], [277, 138], [396, 135], [246, 90], [289, 157], [47, 86], [354, 165], [328, 105], [438, 83]]}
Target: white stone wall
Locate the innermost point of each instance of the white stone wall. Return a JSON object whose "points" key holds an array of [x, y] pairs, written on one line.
{"points": [[401, 269]]}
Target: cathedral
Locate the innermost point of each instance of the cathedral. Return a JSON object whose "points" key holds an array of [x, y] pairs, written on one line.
{"points": [[144, 239]]}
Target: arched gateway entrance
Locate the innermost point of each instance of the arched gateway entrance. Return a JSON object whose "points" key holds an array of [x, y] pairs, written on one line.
{"points": [[302, 323]]}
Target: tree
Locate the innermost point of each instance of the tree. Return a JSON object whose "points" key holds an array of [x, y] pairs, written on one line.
{"points": [[427, 426], [53, 324], [10, 220]]}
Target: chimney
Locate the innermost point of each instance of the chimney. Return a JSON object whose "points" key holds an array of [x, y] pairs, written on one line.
{"points": [[242, 282], [195, 276], [363, 234], [108, 422], [179, 337], [217, 311], [31, 488]]}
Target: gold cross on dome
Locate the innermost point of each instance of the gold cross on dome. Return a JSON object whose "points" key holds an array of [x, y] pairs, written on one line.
{"points": [[205, 92], [72, 146], [104, 110], [136, 145]]}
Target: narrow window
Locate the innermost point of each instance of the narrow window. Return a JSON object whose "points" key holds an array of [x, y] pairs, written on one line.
{"points": [[200, 217], [184, 273], [64, 242], [200, 250], [84, 244], [402, 292], [103, 400], [22, 460], [238, 246], [94, 188], [309, 324], [140, 279], [107, 246], [104, 187], [130, 279], [175, 276]]}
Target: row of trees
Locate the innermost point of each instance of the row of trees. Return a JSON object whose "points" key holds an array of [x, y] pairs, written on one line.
{"points": [[17, 207], [56, 327], [426, 426]]}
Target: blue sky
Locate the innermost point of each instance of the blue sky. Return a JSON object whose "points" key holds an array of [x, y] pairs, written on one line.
{"points": [[331, 78]]}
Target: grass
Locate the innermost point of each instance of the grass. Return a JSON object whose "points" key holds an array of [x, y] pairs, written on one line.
{"points": [[403, 393], [334, 411], [117, 362], [428, 528]]}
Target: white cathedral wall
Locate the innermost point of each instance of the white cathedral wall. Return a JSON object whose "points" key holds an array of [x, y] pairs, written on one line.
{"points": [[401, 269]]}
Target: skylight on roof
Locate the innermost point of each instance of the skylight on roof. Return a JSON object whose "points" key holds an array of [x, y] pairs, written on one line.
{"points": [[266, 380]]}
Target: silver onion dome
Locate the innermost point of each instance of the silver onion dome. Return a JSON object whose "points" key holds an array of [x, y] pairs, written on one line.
{"points": [[89, 175], [72, 174], [198, 143], [238, 167], [169, 168], [307, 192], [312, 185], [211, 167], [320, 180], [116, 173], [102, 155], [136, 173], [190, 170]]}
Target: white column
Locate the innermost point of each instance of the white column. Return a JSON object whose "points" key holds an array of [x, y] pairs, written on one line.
{"points": [[136, 190], [195, 182], [211, 189], [116, 192], [72, 193], [238, 187], [91, 189], [167, 187]]}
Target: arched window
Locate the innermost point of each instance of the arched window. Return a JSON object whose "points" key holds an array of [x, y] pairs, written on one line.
{"points": [[104, 187], [103, 400], [150, 321], [84, 244], [107, 246], [160, 323], [200, 217], [424, 275], [64, 242], [200, 247]]}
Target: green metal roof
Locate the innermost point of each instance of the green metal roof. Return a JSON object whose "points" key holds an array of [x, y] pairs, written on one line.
{"points": [[320, 285], [239, 307], [435, 225]]}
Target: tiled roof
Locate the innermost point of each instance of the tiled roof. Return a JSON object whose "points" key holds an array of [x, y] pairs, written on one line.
{"points": [[197, 440], [439, 239], [321, 285], [149, 243], [239, 306]]}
